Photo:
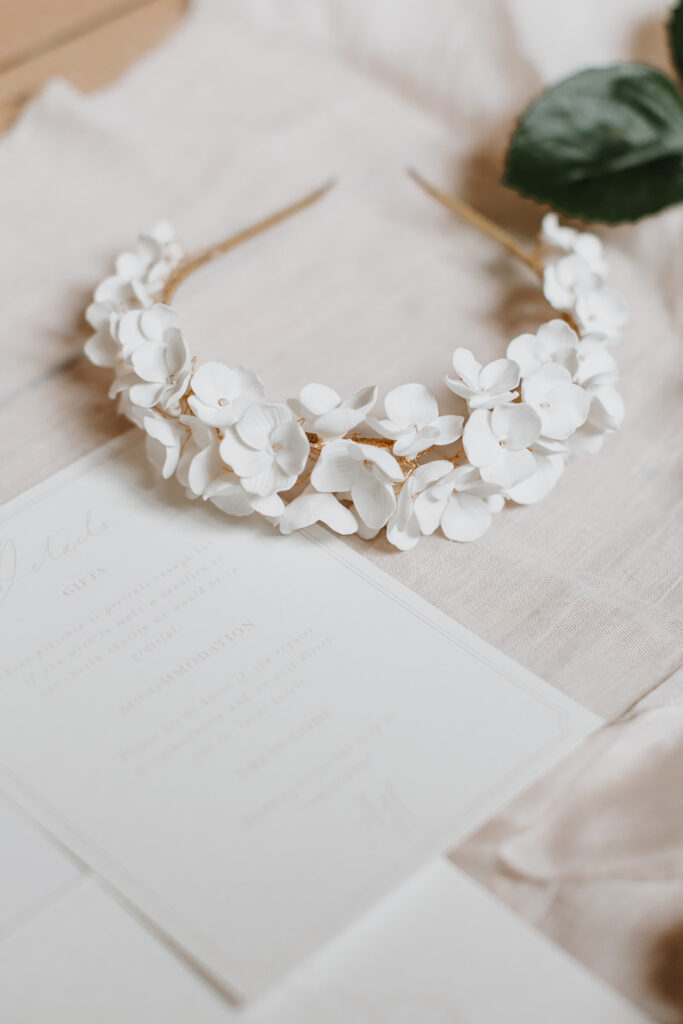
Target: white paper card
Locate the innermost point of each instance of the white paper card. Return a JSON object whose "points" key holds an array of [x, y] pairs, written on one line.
{"points": [[251, 737], [440, 950]]}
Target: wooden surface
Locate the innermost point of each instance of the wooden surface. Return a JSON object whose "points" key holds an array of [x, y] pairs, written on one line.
{"points": [[90, 42]]}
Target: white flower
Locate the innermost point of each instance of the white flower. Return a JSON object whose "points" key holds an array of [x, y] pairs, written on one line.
{"points": [[436, 494], [550, 459], [367, 471], [138, 327], [552, 341], [200, 462], [158, 251], [404, 529], [582, 243], [413, 421], [165, 435], [483, 386], [566, 279], [103, 348], [227, 494], [266, 448], [589, 359], [498, 442], [561, 405], [156, 350], [164, 442], [221, 395], [202, 471], [140, 274], [601, 311], [326, 415], [311, 507], [606, 414]]}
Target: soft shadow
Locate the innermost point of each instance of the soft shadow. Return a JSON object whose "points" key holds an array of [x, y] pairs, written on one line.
{"points": [[665, 969]]}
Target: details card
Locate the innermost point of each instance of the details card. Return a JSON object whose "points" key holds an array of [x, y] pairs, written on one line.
{"points": [[251, 737]]}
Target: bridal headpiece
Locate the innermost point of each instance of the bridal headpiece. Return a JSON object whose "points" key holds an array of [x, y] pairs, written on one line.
{"points": [[324, 458]]}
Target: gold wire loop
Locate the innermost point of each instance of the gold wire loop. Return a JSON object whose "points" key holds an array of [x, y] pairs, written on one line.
{"points": [[450, 202], [189, 266]]}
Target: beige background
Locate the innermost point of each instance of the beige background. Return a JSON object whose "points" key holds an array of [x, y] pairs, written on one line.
{"points": [[249, 105]]}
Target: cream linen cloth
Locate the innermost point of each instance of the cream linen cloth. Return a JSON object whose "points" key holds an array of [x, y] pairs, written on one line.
{"points": [[248, 106]]}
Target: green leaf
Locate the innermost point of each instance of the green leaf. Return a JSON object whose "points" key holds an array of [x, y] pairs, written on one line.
{"points": [[605, 144], [676, 36]]}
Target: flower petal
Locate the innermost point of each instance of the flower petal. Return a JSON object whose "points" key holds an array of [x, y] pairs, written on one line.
{"points": [[500, 375], [318, 399], [374, 500], [428, 508], [480, 444], [259, 421], [232, 500], [607, 409], [243, 459], [465, 517], [312, 507], [467, 367], [602, 310], [519, 425], [383, 460], [510, 468], [155, 321], [267, 480], [145, 395], [348, 414], [149, 362], [449, 429], [337, 466], [528, 351], [293, 453], [101, 349], [549, 469], [411, 405]]}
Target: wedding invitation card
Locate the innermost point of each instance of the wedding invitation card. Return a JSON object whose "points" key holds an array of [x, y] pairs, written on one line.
{"points": [[251, 738], [439, 950]]}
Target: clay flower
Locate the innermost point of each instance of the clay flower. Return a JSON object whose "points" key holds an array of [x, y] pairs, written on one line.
{"points": [[228, 495], [582, 243], [606, 413], [404, 528], [140, 274], [436, 494], [200, 462], [550, 458], [497, 442], [312, 507], [155, 350], [567, 279], [483, 386], [552, 341], [589, 359], [561, 405], [266, 448], [601, 311], [413, 421], [220, 395], [202, 471], [367, 471], [103, 348], [324, 412]]}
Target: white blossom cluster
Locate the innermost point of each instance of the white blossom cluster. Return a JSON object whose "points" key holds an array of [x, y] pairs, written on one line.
{"points": [[321, 458]]}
